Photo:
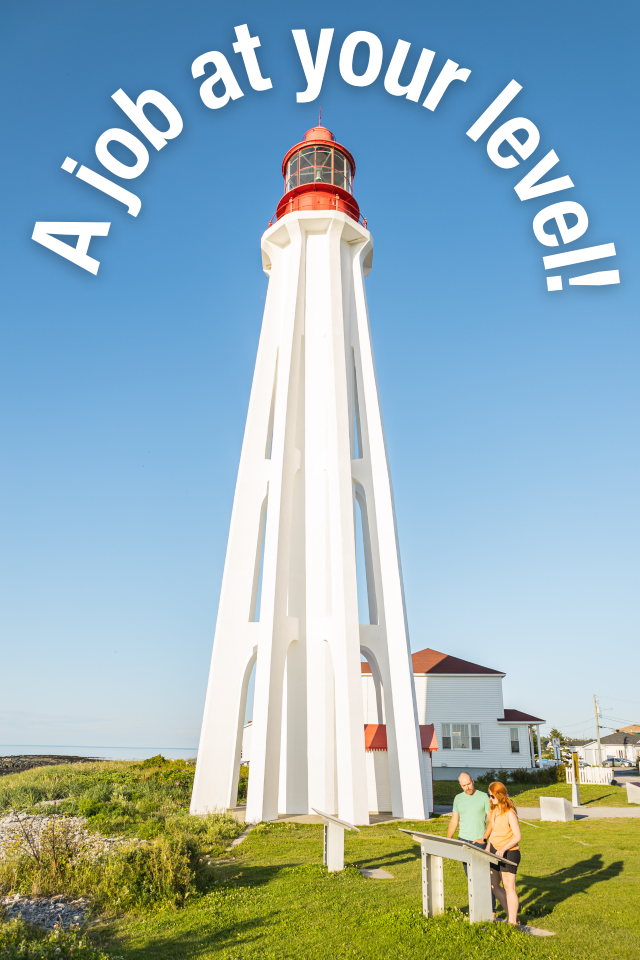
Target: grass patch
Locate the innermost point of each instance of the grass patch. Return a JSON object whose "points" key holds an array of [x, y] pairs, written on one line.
{"points": [[273, 899], [181, 894]]}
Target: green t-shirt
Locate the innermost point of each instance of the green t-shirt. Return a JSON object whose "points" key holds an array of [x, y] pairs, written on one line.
{"points": [[472, 811]]}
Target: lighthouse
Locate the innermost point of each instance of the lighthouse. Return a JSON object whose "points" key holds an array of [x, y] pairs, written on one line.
{"points": [[313, 476]]}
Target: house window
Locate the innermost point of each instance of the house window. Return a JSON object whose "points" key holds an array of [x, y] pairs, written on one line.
{"points": [[455, 736], [515, 740], [460, 736]]}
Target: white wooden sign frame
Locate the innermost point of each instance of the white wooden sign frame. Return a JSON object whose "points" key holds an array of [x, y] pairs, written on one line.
{"points": [[434, 850], [333, 847]]}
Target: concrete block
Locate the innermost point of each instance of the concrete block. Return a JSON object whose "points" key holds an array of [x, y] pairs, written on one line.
{"points": [[633, 792], [555, 808]]}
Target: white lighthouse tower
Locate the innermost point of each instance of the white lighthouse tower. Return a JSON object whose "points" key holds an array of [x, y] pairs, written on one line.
{"points": [[313, 456]]}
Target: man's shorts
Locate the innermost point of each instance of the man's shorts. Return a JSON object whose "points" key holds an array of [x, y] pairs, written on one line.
{"points": [[512, 855]]}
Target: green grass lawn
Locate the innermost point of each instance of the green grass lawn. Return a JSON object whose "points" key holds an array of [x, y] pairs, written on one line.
{"points": [[270, 897], [273, 899], [525, 795]]}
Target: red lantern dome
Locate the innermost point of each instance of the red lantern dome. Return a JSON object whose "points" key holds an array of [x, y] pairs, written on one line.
{"points": [[318, 175]]}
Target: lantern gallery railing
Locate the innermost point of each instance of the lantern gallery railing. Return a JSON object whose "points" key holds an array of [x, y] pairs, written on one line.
{"points": [[361, 220], [319, 165]]}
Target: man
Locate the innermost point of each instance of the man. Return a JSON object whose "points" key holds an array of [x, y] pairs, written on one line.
{"points": [[470, 810]]}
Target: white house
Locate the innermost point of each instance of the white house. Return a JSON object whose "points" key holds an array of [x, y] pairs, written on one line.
{"points": [[463, 701], [619, 745]]}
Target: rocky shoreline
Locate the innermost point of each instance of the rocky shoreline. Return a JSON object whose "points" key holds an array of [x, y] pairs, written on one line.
{"points": [[22, 762]]}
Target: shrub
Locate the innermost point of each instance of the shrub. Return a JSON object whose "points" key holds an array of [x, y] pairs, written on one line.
{"points": [[543, 777], [169, 854], [162, 870], [19, 942], [169, 868]]}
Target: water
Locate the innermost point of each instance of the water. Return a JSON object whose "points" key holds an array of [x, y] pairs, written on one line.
{"points": [[103, 753]]}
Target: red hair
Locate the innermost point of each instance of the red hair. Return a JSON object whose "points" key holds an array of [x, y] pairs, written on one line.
{"points": [[505, 803]]}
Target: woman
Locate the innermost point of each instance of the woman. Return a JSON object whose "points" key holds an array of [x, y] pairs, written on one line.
{"points": [[503, 836]]}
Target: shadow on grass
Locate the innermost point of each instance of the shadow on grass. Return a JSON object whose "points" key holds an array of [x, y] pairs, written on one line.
{"points": [[539, 895], [605, 796], [245, 876], [410, 855]]}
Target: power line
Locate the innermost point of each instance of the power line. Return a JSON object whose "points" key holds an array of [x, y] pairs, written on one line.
{"points": [[618, 698]]}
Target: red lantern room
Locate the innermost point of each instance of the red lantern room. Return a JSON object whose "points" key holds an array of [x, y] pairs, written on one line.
{"points": [[318, 175]]}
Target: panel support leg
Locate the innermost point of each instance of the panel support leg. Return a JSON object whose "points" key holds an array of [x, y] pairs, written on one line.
{"points": [[479, 882], [432, 885], [334, 847]]}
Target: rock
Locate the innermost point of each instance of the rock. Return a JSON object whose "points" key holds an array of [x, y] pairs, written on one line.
{"points": [[46, 911]]}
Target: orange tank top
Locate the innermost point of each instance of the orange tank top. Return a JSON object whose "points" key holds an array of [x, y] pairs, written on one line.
{"points": [[501, 832]]}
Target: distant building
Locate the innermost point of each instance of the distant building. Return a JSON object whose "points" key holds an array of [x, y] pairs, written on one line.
{"points": [[633, 728], [619, 744]]}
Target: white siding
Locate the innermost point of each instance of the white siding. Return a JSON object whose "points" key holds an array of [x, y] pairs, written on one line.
{"points": [[475, 698], [369, 701], [378, 781], [246, 743], [428, 777], [421, 698]]}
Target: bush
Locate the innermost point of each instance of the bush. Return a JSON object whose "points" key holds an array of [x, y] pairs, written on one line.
{"points": [[169, 868], [164, 870], [19, 942], [543, 777], [243, 783], [169, 853]]}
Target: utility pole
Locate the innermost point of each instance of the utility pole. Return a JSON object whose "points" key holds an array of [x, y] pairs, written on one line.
{"points": [[595, 707]]}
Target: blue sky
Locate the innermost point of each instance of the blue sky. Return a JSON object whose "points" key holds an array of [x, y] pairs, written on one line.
{"points": [[511, 413]]}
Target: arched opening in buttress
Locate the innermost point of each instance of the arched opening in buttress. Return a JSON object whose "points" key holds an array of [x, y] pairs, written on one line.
{"points": [[272, 410], [371, 709], [245, 711], [256, 590], [357, 448], [367, 602]]}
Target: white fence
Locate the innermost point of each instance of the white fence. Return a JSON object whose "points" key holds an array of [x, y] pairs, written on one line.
{"points": [[592, 775]]}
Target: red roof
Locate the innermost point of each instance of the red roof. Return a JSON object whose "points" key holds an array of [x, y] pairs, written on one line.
{"points": [[432, 661], [517, 716], [375, 736]]}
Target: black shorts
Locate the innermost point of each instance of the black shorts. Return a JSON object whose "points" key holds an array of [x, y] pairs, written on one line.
{"points": [[512, 855]]}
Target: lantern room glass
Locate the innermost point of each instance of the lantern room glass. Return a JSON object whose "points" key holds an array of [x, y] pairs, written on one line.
{"points": [[318, 165]]}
